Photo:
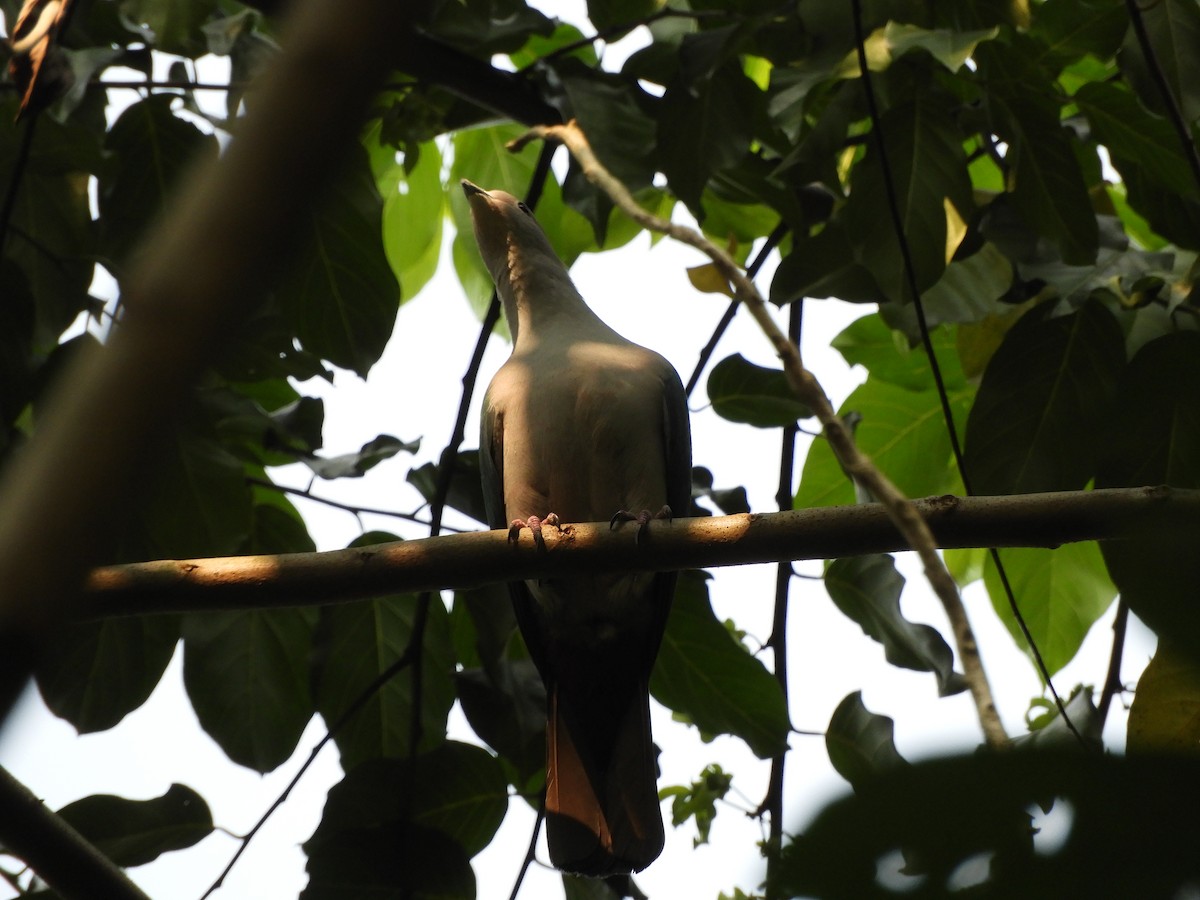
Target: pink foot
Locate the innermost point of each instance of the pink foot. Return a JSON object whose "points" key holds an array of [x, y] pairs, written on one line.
{"points": [[534, 524], [642, 518]]}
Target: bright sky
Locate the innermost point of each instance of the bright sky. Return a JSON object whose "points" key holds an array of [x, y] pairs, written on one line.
{"points": [[643, 292]]}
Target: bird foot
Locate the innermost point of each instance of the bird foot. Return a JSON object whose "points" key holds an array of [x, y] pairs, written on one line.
{"points": [[642, 518], [534, 524]]}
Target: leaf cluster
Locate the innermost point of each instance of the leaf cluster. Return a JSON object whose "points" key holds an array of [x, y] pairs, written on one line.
{"points": [[1048, 194]]}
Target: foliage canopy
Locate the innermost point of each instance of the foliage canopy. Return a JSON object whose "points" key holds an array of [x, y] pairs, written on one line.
{"points": [[1039, 160]]}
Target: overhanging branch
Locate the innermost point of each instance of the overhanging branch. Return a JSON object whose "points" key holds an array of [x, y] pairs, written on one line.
{"points": [[462, 561]]}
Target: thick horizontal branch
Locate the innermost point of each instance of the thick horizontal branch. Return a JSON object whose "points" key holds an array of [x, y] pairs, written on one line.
{"points": [[472, 560]]}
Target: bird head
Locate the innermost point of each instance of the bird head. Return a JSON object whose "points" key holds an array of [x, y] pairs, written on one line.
{"points": [[508, 235]]}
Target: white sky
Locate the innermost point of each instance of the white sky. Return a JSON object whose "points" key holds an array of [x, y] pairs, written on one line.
{"points": [[642, 292]]}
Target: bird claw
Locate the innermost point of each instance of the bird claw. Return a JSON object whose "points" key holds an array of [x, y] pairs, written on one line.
{"points": [[642, 518], [534, 524]]}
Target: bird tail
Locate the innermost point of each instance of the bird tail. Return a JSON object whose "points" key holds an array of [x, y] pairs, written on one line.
{"points": [[602, 813]]}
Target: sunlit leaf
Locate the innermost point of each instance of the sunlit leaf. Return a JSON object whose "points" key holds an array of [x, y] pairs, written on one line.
{"points": [[1165, 715], [1060, 593], [743, 392]]}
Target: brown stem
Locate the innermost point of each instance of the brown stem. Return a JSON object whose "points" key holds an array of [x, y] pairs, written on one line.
{"points": [[204, 267], [60, 855], [461, 561]]}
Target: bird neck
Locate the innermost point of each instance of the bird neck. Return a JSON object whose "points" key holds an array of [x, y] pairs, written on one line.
{"points": [[538, 293]]}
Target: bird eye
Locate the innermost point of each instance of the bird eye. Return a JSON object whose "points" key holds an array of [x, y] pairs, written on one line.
{"points": [[525, 209]]}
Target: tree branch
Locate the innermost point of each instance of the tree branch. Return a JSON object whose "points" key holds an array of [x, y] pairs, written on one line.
{"points": [[806, 387], [60, 855], [204, 268], [470, 560]]}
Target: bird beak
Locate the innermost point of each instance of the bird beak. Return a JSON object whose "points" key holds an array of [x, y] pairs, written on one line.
{"points": [[471, 189]]}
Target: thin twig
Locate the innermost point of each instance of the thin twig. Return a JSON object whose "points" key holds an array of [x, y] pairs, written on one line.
{"points": [[530, 852], [622, 27], [778, 640], [810, 392], [405, 660], [1112, 681], [307, 494], [708, 349], [893, 204]]}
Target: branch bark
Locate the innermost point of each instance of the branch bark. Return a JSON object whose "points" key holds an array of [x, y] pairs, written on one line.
{"points": [[61, 856], [462, 561]]}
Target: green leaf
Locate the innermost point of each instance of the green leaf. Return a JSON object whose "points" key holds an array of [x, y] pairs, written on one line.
{"points": [[703, 673], [904, 434], [825, 265], [607, 13], [152, 147], [929, 171], [341, 295], [1123, 840], [612, 108], [730, 501], [50, 238], [197, 502], [355, 465], [414, 207], [1045, 397], [969, 291], [703, 128], [278, 526], [1070, 29], [1051, 732], [698, 800], [1165, 716], [1174, 216], [870, 343], [456, 789], [1047, 182], [95, 673], [965, 565], [885, 45], [861, 744], [1060, 593], [173, 25], [135, 832], [1156, 440], [1173, 27], [582, 887], [564, 34], [355, 643], [1135, 137], [867, 590], [505, 704], [246, 674], [466, 491], [743, 392], [391, 862], [487, 28]]}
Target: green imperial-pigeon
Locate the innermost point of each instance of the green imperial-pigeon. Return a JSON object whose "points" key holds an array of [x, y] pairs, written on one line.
{"points": [[581, 425]]}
